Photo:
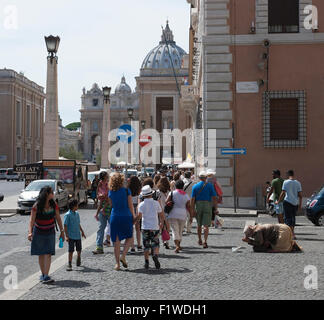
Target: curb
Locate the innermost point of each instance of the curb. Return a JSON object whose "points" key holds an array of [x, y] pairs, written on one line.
{"points": [[251, 213], [7, 213]]}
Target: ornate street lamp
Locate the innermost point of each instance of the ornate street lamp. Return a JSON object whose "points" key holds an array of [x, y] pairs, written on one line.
{"points": [[52, 44], [106, 93], [130, 112]]}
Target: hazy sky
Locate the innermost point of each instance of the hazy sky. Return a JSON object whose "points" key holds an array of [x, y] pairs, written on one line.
{"points": [[100, 41]]}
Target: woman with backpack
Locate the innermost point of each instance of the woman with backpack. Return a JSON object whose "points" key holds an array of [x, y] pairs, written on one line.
{"points": [[42, 230], [178, 215]]}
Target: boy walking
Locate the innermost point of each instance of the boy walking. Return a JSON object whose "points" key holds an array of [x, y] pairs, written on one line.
{"points": [[151, 213], [73, 232]]}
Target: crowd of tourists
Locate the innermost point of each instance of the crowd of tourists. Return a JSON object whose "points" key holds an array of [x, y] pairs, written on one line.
{"points": [[141, 213]]}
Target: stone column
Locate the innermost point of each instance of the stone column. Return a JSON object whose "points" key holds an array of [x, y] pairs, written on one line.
{"points": [[105, 133], [51, 133]]}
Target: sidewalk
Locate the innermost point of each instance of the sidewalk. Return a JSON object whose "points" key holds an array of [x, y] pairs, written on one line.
{"points": [[8, 207], [230, 212]]}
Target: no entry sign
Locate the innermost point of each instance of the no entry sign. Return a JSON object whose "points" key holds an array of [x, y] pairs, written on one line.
{"points": [[144, 140]]}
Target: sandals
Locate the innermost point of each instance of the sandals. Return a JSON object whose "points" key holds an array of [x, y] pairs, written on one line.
{"points": [[117, 268], [177, 250], [124, 263], [200, 242], [205, 245]]}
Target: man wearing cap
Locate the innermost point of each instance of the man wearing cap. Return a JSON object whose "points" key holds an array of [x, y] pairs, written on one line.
{"points": [[203, 198]]}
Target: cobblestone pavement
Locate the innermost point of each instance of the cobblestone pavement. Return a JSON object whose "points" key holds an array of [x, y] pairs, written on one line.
{"points": [[196, 273]]}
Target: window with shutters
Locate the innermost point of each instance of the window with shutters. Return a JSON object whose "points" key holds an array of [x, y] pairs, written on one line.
{"points": [[283, 16], [284, 120]]}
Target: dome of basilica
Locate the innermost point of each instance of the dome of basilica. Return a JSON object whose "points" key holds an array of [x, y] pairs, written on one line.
{"points": [[123, 87], [158, 59]]}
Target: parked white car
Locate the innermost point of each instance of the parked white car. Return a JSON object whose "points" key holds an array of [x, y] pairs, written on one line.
{"points": [[28, 196]]}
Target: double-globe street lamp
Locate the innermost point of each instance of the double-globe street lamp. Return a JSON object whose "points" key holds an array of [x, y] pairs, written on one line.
{"points": [[105, 128], [143, 124]]}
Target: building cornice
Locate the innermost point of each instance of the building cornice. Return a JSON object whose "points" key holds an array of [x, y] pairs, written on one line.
{"points": [[256, 39]]}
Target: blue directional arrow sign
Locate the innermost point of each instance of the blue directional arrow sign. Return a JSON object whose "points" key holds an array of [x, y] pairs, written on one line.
{"points": [[126, 133], [233, 151]]}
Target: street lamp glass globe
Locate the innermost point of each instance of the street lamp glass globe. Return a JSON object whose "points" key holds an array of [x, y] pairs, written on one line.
{"points": [[52, 43], [106, 91], [130, 112]]}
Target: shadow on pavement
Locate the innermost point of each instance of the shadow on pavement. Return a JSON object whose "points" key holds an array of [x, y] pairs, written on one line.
{"points": [[172, 256], [154, 271], [306, 234], [309, 239], [89, 270], [70, 284]]}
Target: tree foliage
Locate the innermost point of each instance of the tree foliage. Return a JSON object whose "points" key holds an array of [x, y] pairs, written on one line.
{"points": [[70, 153], [74, 126]]}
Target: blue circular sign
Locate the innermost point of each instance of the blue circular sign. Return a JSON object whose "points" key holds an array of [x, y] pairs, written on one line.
{"points": [[126, 133]]}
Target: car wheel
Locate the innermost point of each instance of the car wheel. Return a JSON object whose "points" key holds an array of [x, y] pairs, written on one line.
{"points": [[319, 221], [21, 212]]}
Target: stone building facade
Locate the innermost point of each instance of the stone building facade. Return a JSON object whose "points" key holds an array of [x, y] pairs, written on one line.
{"points": [[121, 100], [22, 118], [256, 75], [68, 138]]}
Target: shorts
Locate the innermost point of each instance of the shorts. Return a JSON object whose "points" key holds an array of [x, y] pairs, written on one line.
{"points": [[75, 244], [290, 213], [151, 239], [279, 208], [204, 213]]}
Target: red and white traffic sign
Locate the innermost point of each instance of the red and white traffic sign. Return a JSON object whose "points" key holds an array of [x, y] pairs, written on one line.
{"points": [[144, 140]]}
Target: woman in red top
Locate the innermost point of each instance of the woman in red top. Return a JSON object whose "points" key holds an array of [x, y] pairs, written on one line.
{"points": [[42, 230]]}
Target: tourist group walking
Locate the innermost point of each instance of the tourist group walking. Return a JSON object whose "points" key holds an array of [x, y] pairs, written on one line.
{"points": [[141, 215]]}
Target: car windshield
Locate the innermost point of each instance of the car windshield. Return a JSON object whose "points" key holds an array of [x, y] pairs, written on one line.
{"points": [[321, 192], [38, 185]]}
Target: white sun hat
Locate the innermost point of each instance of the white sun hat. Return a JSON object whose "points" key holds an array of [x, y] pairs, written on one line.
{"points": [[202, 174], [146, 191], [211, 172]]}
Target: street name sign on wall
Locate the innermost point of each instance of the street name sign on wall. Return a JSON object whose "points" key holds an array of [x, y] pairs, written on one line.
{"points": [[247, 87], [241, 151]]}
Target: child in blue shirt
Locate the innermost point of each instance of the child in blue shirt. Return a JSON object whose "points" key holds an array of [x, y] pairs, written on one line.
{"points": [[73, 232]]}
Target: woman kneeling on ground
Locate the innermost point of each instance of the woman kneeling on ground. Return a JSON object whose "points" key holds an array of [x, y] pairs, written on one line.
{"points": [[271, 238]]}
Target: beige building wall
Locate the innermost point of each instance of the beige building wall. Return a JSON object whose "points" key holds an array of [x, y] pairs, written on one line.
{"points": [[24, 136]]}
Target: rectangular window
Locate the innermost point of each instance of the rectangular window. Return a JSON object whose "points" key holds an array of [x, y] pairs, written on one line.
{"points": [[38, 124], [28, 156], [283, 16], [284, 119], [18, 118], [28, 121], [18, 156], [37, 155]]}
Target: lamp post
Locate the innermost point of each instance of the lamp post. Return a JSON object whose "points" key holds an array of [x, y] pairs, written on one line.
{"points": [[105, 128], [51, 134], [143, 124], [130, 112]]}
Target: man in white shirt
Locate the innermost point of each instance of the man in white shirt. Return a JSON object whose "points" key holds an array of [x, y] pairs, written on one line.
{"points": [[292, 200], [153, 219]]}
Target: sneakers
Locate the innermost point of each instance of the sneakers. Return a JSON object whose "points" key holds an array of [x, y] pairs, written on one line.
{"points": [[48, 280], [78, 263], [69, 267], [156, 262], [166, 245], [139, 248], [98, 251], [132, 251], [41, 278], [147, 264]]}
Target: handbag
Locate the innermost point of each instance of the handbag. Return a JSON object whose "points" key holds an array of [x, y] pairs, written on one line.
{"points": [[165, 234], [169, 205]]}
